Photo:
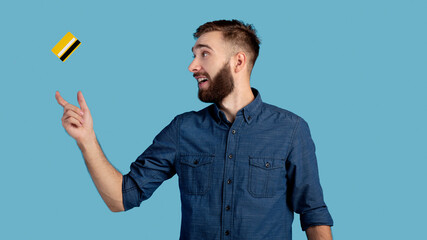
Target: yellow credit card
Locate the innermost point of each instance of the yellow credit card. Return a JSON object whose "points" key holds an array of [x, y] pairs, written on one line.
{"points": [[66, 46]]}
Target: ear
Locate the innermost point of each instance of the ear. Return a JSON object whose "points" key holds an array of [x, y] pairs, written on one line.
{"points": [[239, 62]]}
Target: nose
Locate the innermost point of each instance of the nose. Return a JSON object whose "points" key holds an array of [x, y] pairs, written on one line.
{"points": [[194, 66]]}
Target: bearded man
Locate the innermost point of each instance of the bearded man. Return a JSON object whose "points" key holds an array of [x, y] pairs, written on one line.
{"points": [[244, 166]]}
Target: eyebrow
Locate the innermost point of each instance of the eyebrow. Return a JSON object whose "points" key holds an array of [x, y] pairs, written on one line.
{"points": [[200, 46]]}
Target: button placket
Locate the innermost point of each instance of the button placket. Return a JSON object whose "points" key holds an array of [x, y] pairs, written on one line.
{"points": [[230, 158]]}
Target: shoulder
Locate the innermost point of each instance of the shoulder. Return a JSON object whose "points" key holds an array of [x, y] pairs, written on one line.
{"points": [[298, 127], [281, 114], [194, 114], [192, 117]]}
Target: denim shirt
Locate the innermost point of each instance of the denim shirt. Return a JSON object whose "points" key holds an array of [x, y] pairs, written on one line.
{"points": [[241, 180]]}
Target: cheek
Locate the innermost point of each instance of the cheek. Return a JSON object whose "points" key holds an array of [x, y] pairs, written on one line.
{"points": [[214, 67], [208, 68]]}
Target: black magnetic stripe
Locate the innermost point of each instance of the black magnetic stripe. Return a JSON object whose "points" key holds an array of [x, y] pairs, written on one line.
{"points": [[65, 55]]}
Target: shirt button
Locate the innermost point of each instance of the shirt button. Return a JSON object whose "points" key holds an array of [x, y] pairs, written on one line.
{"points": [[229, 181], [227, 208], [267, 165], [249, 118], [230, 156], [233, 131], [196, 161], [227, 233]]}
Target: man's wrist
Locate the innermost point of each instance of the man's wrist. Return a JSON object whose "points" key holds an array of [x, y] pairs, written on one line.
{"points": [[87, 143], [321, 232]]}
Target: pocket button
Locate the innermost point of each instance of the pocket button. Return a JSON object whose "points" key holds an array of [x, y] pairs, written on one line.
{"points": [[267, 176], [195, 174]]}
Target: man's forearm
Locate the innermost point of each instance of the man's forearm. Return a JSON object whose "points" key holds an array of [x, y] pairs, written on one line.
{"points": [[107, 179], [319, 233]]}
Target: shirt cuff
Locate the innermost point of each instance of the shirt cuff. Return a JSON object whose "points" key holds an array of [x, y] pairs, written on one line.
{"points": [[131, 193], [316, 217]]}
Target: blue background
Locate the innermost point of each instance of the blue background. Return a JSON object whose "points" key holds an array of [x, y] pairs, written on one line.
{"points": [[354, 70]]}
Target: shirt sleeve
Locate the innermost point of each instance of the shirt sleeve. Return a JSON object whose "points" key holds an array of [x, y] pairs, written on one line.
{"points": [[305, 192], [151, 168]]}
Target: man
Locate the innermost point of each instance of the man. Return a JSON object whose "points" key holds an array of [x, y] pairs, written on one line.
{"points": [[244, 166]]}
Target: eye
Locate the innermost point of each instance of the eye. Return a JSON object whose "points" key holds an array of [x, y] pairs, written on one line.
{"points": [[205, 54]]}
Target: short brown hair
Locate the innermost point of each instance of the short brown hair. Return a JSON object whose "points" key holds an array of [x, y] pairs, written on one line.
{"points": [[238, 33]]}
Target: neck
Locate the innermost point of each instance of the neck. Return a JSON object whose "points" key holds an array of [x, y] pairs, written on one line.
{"points": [[240, 97]]}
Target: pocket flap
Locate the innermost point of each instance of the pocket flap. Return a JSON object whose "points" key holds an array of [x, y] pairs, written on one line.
{"points": [[196, 160], [267, 163]]}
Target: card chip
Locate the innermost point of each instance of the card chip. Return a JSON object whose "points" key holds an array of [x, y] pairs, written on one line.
{"points": [[66, 46]]}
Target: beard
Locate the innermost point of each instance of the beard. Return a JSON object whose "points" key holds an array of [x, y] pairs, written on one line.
{"points": [[219, 87]]}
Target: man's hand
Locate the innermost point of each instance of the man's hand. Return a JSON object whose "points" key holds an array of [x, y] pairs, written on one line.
{"points": [[319, 233], [77, 121], [79, 125]]}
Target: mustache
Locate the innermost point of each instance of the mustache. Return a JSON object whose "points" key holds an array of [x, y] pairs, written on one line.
{"points": [[202, 74]]}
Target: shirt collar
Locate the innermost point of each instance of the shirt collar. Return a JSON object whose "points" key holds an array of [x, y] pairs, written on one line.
{"points": [[249, 112]]}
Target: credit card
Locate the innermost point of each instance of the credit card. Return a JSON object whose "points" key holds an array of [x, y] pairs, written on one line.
{"points": [[66, 46]]}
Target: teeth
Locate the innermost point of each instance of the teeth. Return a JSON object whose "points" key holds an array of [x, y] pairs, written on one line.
{"points": [[201, 79]]}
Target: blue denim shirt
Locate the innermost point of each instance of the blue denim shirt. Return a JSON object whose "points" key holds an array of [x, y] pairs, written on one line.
{"points": [[241, 180]]}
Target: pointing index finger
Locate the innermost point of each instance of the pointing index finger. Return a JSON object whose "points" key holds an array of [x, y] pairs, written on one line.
{"points": [[60, 100], [82, 101]]}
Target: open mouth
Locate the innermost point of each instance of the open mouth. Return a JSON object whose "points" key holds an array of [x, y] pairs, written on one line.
{"points": [[202, 80]]}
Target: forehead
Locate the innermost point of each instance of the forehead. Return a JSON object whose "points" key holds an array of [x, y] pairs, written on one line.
{"points": [[212, 40]]}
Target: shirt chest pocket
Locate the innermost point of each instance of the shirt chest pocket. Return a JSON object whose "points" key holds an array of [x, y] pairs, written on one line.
{"points": [[267, 177], [196, 174]]}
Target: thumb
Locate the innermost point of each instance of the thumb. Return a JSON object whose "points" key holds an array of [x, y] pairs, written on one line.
{"points": [[82, 101]]}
